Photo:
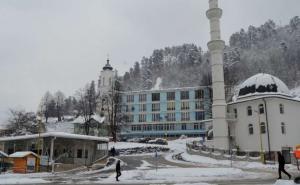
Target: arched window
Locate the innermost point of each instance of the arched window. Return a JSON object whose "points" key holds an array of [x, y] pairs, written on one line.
{"points": [[281, 108], [249, 111], [261, 109], [250, 128], [262, 128], [283, 130]]}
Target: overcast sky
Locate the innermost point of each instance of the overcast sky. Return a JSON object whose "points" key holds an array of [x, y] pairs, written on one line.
{"points": [[63, 44]]}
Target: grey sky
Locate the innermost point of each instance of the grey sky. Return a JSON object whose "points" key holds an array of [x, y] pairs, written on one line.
{"points": [[62, 44]]}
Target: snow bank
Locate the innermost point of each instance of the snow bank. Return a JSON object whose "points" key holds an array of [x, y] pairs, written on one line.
{"points": [[128, 145], [284, 182]]}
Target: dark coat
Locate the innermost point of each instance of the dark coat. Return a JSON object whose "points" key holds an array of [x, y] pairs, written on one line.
{"points": [[281, 160], [118, 167]]}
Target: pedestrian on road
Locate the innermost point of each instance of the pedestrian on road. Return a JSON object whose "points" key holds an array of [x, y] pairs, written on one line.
{"points": [[281, 163], [118, 170], [113, 151]]}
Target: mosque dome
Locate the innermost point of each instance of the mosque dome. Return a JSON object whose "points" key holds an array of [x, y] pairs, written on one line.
{"points": [[263, 83]]}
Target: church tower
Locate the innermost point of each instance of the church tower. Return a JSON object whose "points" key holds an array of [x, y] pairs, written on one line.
{"points": [[216, 47], [106, 79]]}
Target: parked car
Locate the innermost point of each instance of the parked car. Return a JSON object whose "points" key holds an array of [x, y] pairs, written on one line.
{"points": [[144, 140], [159, 141]]}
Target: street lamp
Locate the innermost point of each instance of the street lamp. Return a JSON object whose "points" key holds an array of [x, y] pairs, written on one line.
{"points": [[262, 156]]}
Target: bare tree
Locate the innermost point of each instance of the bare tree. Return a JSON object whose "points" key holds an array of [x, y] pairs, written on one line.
{"points": [[87, 104], [113, 106], [44, 107], [59, 98], [22, 122]]}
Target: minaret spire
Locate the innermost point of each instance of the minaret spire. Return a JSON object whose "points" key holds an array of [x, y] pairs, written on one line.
{"points": [[216, 47]]}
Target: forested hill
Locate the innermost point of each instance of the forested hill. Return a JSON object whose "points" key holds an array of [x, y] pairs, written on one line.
{"points": [[268, 48]]}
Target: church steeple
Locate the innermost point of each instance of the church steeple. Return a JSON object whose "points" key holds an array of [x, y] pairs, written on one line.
{"points": [[107, 66]]}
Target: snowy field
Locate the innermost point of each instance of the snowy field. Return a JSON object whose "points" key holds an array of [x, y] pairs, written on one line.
{"points": [[34, 178], [129, 145]]}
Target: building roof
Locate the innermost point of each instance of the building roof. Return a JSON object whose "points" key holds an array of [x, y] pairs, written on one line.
{"points": [[57, 135], [262, 83], [81, 120], [3, 154], [22, 154]]}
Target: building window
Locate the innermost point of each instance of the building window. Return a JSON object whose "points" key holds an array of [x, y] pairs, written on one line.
{"points": [[199, 105], [155, 117], [202, 126], [281, 108], [261, 109], [130, 98], [79, 153], [142, 97], [185, 105], [199, 115], [142, 117], [170, 96], [250, 128], [183, 126], [196, 126], [155, 97], [130, 118], [262, 128], [86, 154], [249, 111], [283, 129], [172, 127], [143, 107], [171, 106], [171, 116], [235, 113], [184, 95], [199, 94], [185, 116], [156, 107]]}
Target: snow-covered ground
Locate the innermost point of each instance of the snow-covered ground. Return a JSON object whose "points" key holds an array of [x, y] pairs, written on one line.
{"points": [[208, 170], [33, 178], [183, 175]]}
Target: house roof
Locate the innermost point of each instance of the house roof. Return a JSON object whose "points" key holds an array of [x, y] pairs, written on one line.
{"points": [[22, 154], [57, 135], [3, 154]]}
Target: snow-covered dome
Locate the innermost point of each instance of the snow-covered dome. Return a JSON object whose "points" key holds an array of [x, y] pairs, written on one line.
{"points": [[262, 83]]}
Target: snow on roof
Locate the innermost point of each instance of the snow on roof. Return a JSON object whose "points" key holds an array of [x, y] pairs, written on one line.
{"points": [[263, 79], [3, 154], [22, 154], [57, 135], [67, 127], [260, 96], [81, 120]]}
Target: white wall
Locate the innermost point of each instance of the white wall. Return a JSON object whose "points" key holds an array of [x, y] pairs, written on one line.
{"points": [[291, 118]]}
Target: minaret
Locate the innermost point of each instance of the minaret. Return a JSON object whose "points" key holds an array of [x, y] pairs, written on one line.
{"points": [[216, 47]]}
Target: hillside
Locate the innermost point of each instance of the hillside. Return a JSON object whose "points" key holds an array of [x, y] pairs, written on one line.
{"points": [[268, 48]]}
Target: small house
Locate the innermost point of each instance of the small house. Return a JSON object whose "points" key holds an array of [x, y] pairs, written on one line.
{"points": [[25, 162], [96, 126]]}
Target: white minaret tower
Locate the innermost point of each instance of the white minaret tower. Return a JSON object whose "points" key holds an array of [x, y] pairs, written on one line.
{"points": [[106, 79], [216, 46]]}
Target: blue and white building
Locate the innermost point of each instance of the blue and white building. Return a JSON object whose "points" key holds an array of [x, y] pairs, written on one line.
{"points": [[167, 113]]}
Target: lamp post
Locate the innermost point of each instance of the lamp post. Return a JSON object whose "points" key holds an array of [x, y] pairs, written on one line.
{"points": [[262, 157]]}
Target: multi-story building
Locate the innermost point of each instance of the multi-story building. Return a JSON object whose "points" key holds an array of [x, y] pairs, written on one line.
{"points": [[167, 113]]}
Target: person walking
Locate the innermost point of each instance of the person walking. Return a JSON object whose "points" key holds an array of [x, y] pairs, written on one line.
{"points": [[281, 163], [118, 170]]}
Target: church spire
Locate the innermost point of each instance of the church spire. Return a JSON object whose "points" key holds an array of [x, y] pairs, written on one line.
{"points": [[107, 66]]}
